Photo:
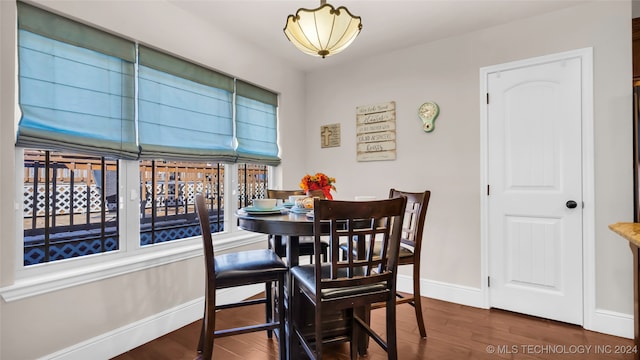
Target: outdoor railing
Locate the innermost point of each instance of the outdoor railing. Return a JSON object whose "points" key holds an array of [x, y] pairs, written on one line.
{"points": [[73, 210]]}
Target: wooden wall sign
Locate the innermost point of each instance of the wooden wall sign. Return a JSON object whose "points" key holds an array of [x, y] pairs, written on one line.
{"points": [[330, 135], [376, 132]]}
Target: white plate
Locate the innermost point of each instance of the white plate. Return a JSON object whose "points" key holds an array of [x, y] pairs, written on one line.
{"points": [[299, 210], [254, 210]]}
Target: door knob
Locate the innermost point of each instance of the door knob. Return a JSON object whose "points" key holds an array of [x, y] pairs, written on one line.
{"points": [[571, 204]]}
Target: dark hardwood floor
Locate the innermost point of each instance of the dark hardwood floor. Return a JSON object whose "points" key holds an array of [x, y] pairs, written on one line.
{"points": [[453, 332]]}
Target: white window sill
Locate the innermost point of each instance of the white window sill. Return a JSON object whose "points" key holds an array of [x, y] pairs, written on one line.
{"points": [[57, 280]]}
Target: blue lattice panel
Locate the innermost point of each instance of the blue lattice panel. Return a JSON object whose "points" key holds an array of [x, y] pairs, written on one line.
{"points": [[58, 251], [164, 235], [64, 247]]}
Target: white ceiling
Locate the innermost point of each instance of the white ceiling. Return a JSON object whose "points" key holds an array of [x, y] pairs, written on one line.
{"points": [[386, 25]]}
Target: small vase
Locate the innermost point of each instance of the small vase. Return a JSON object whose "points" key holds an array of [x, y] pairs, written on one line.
{"points": [[316, 194]]}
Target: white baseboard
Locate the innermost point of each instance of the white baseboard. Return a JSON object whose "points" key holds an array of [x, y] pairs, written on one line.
{"points": [[602, 321], [612, 323], [133, 335], [464, 295]]}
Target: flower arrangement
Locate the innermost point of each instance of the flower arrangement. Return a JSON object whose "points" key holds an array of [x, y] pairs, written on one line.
{"points": [[319, 181]]}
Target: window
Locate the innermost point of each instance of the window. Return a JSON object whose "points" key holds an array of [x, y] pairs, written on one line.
{"points": [[81, 215], [70, 206], [95, 108], [168, 189], [167, 193], [252, 183]]}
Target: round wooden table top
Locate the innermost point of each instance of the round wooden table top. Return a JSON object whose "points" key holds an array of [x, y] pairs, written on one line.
{"points": [[287, 224]]}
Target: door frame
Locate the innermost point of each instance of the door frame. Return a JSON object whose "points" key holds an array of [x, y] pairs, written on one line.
{"points": [[588, 189]]}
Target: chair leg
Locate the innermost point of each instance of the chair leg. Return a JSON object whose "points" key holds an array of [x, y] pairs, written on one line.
{"points": [[392, 340], [282, 337], [417, 303], [202, 331], [268, 306], [275, 243], [290, 327], [355, 335], [318, 330], [205, 345], [363, 342]]}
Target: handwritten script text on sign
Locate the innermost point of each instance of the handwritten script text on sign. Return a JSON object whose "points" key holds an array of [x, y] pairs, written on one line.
{"points": [[376, 132]]}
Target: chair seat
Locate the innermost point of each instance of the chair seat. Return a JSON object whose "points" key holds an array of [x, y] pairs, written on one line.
{"points": [[305, 275], [404, 251], [233, 267]]}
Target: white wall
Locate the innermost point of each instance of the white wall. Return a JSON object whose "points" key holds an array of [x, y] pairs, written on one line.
{"points": [[446, 161], [95, 312]]}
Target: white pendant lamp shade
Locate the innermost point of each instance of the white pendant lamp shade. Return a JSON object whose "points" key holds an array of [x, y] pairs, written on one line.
{"points": [[323, 31]]}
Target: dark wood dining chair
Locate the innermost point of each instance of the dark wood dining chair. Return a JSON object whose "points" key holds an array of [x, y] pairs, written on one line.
{"points": [[278, 244], [410, 248], [238, 269], [354, 283]]}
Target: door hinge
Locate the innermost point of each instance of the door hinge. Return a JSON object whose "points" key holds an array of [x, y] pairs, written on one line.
{"points": [[488, 281], [487, 98], [488, 189]]}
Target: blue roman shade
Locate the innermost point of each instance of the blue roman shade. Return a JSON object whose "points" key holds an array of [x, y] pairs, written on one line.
{"points": [[87, 91], [185, 110], [76, 87], [256, 124]]}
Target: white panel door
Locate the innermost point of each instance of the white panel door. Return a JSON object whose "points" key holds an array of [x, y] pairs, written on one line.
{"points": [[535, 177]]}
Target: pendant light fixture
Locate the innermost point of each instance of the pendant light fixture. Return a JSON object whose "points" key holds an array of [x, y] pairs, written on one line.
{"points": [[323, 31]]}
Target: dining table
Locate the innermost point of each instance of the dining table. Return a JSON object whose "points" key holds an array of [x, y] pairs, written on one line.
{"points": [[286, 224], [291, 225]]}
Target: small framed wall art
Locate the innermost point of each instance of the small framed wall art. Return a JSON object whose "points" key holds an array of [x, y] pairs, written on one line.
{"points": [[330, 136]]}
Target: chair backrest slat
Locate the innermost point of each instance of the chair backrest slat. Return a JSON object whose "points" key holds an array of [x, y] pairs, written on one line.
{"points": [[414, 218]]}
